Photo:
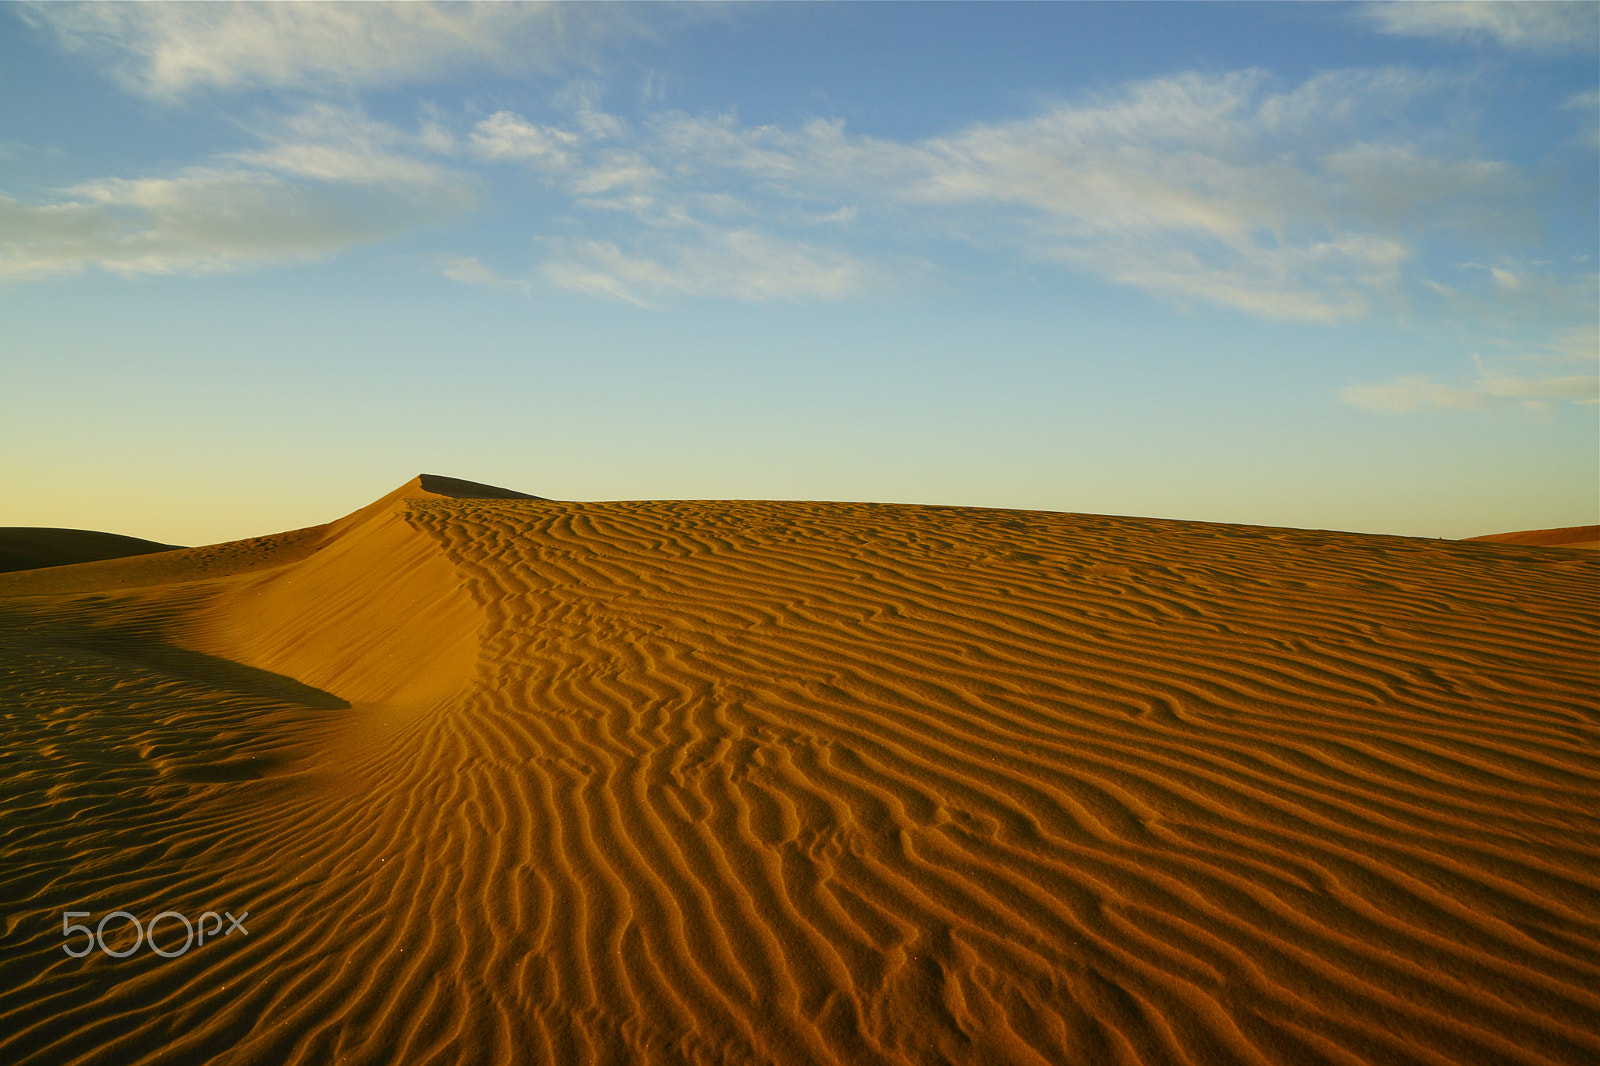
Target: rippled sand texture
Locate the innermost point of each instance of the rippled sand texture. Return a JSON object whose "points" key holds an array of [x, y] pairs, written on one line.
{"points": [[711, 782]]}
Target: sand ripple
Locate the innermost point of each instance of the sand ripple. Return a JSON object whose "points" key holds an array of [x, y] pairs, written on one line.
{"points": [[809, 783]]}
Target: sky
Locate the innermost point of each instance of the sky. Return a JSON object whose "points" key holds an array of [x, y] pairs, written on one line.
{"points": [[1313, 264]]}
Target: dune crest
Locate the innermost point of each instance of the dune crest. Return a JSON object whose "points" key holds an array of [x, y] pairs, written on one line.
{"points": [[376, 613], [32, 547], [502, 779], [1564, 537]]}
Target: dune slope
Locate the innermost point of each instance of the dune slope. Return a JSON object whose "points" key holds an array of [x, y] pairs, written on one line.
{"points": [[1565, 537], [31, 547], [507, 779]]}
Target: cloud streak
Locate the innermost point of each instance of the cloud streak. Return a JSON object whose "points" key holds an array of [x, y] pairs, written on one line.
{"points": [[741, 264], [1496, 387], [329, 180], [1524, 25], [169, 49], [1418, 392]]}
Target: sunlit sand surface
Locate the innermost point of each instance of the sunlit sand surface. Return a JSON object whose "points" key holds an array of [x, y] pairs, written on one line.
{"points": [[1566, 537], [513, 780]]}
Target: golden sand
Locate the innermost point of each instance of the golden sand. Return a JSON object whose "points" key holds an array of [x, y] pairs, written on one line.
{"points": [[514, 780], [1565, 537]]}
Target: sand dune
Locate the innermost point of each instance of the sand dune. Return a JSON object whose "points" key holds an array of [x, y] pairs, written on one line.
{"points": [[30, 547], [514, 780], [1565, 537]]}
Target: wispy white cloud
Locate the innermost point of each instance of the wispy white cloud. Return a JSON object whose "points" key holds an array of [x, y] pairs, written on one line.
{"points": [[328, 180], [1526, 382], [680, 237], [1414, 392], [200, 221], [712, 262], [1587, 104], [1519, 288], [167, 49], [1320, 281], [1301, 202], [329, 143], [469, 271], [1418, 391], [504, 135], [1584, 101], [1527, 25], [743, 264]]}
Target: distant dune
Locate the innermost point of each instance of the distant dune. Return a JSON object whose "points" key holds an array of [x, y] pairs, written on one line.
{"points": [[501, 779], [30, 547], [1565, 537]]}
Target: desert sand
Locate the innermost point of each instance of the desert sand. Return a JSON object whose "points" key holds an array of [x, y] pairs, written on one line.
{"points": [[503, 779], [32, 547], [1565, 537]]}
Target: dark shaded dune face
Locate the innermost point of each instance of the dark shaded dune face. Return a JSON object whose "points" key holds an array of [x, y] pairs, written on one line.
{"points": [[468, 490], [710, 782], [33, 547]]}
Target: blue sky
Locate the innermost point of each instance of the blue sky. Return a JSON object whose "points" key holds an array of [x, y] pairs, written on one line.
{"points": [[1318, 265]]}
